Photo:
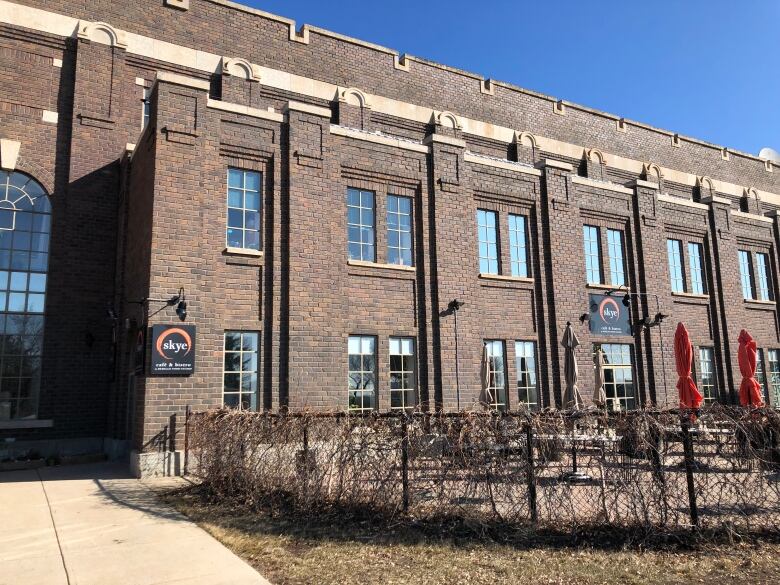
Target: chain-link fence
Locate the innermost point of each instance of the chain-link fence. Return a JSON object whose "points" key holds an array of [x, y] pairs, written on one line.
{"points": [[648, 470]]}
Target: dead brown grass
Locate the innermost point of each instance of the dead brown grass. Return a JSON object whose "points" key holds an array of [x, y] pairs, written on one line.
{"points": [[291, 551]]}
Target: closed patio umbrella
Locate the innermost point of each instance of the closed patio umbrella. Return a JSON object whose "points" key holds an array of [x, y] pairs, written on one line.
{"points": [[599, 394], [690, 397], [572, 397], [749, 389]]}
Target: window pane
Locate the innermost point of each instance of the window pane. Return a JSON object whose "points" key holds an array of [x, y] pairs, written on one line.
{"points": [[518, 249], [399, 230], [19, 281], [241, 369], [360, 225], [495, 389], [525, 363], [762, 264], [235, 218], [706, 366], [616, 261], [697, 277], [235, 198], [488, 250], [592, 254], [37, 282], [361, 374], [774, 375], [746, 274], [403, 389], [244, 215], [674, 251], [35, 303], [618, 376], [232, 362]]}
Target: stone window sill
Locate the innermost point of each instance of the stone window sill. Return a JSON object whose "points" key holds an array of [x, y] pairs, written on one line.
{"points": [[26, 424], [243, 252], [615, 289], [365, 264], [488, 276], [686, 295], [759, 303]]}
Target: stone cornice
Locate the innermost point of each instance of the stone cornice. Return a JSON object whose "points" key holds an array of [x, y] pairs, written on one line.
{"points": [[501, 164], [681, 201], [308, 109], [444, 139], [245, 110], [556, 164], [183, 80], [601, 185], [377, 138], [751, 216]]}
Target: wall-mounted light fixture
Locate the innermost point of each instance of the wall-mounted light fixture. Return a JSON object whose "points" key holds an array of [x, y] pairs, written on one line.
{"points": [[179, 300]]}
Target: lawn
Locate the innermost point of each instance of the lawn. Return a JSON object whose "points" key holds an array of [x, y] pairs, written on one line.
{"points": [[291, 551]]}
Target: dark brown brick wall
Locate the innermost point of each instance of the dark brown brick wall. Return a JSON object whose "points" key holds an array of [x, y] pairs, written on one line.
{"points": [[155, 223]]}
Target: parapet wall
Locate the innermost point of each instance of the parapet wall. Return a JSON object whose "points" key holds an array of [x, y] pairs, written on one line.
{"points": [[313, 62]]}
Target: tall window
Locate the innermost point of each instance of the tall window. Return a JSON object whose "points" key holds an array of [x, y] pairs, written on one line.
{"points": [[707, 367], [592, 254], [697, 277], [403, 380], [495, 375], [525, 361], [25, 224], [762, 264], [488, 249], [774, 375], [618, 376], [360, 225], [399, 230], [244, 205], [746, 274], [761, 372], [615, 249], [362, 373], [518, 245], [239, 388], [674, 251], [145, 107]]}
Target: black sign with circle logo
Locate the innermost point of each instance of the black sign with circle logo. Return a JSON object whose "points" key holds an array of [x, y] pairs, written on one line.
{"points": [[173, 350], [608, 316]]}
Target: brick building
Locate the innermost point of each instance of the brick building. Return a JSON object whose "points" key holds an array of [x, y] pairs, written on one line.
{"points": [[318, 204]]}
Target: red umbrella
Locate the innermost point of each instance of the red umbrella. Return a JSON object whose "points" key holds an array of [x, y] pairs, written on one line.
{"points": [[690, 397], [749, 389]]}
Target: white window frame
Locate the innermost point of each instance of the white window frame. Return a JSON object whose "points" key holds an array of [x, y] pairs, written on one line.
{"points": [[527, 377], [403, 347], [366, 345], [487, 237]]}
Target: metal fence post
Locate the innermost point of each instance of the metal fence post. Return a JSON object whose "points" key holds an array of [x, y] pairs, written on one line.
{"points": [[187, 413], [688, 456], [655, 453], [529, 438], [405, 462]]}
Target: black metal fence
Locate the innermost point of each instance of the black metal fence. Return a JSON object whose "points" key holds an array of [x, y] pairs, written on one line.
{"points": [[649, 470]]}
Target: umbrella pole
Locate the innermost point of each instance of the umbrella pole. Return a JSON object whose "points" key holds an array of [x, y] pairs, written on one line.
{"points": [[573, 451]]}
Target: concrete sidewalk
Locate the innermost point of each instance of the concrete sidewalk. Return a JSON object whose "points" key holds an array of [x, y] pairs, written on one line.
{"points": [[95, 525]]}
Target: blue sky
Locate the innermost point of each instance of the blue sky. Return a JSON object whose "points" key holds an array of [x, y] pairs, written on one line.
{"points": [[703, 68]]}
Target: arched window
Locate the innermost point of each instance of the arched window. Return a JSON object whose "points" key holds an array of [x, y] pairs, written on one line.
{"points": [[25, 223]]}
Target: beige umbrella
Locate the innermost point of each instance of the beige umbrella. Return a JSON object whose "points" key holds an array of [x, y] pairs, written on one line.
{"points": [[572, 397], [485, 376], [599, 395]]}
